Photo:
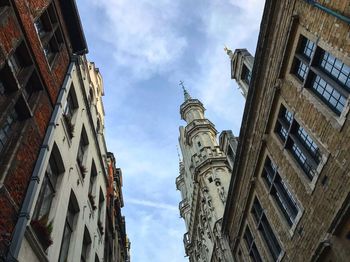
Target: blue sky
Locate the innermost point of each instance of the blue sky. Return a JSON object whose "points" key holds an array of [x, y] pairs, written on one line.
{"points": [[143, 49]]}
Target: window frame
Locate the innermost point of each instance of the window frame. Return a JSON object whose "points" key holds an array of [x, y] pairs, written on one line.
{"points": [[331, 91], [294, 144], [50, 34], [283, 206], [252, 248], [266, 231]]}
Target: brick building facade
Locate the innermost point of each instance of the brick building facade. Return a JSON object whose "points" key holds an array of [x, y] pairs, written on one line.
{"points": [[289, 193]]}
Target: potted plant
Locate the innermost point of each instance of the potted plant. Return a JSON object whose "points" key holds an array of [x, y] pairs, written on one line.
{"points": [[100, 227], [82, 168], [92, 201], [43, 230], [69, 125]]}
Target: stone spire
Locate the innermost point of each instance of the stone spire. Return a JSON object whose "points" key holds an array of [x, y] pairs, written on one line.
{"points": [[186, 94]]}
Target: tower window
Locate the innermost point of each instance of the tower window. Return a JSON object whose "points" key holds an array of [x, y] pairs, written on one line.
{"points": [[199, 144], [246, 75]]}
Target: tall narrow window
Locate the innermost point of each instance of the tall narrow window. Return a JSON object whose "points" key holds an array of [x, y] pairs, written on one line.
{"points": [[266, 230], [86, 246], [82, 146], [7, 127], [49, 33], [280, 192], [69, 226], [325, 75], [100, 221], [298, 142], [246, 74], [251, 246]]}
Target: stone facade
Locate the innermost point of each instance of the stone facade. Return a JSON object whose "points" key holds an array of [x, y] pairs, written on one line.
{"points": [[203, 183], [289, 196]]}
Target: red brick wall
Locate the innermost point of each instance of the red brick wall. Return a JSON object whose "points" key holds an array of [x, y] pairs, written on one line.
{"points": [[22, 155]]}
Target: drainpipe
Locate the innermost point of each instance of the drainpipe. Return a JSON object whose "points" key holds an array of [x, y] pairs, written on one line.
{"points": [[38, 173], [329, 11]]}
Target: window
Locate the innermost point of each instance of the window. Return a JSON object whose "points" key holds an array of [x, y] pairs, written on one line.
{"points": [[82, 146], [266, 230], [325, 75], [246, 74], [280, 192], [71, 104], [49, 33], [86, 246], [100, 210], [68, 228], [23, 69], [7, 127], [93, 176], [252, 249], [298, 142], [48, 187]]}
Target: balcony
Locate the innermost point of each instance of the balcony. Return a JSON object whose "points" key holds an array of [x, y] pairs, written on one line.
{"points": [[184, 207], [179, 181]]}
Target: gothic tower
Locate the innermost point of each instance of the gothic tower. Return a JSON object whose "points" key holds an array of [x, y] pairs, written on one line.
{"points": [[203, 181]]}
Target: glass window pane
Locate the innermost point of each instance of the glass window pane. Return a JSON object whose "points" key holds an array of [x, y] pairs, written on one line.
{"points": [[328, 94]]}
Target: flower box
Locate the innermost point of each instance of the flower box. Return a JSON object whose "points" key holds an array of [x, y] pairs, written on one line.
{"points": [[43, 230]]}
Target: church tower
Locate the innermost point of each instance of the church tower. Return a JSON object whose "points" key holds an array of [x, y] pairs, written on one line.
{"points": [[203, 182], [241, 68]]}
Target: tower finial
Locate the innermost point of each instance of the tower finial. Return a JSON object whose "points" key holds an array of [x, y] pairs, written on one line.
{"points": [[186, 94]]}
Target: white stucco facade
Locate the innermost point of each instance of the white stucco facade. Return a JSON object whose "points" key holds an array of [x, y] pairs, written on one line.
{"points": [[73, 186]]}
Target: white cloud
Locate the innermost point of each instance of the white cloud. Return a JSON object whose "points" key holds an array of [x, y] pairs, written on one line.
{"points": [[138, 40], [152, 204], [144, 35]]}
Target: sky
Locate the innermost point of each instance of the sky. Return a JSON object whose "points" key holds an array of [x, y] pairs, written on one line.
{"points": [[143, 48]]}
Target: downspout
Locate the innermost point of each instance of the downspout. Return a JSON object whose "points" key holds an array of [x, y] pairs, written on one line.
{"points": [[329, 11], [38, 173]]}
